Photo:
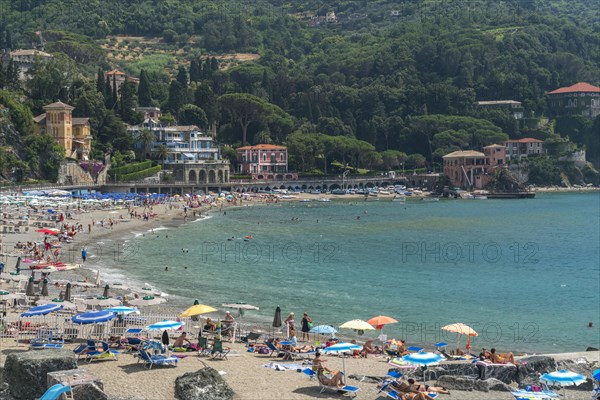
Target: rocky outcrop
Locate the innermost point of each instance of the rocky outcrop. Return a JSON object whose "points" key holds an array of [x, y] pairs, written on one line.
{"points": [[491, 385], [452, 382], [204, 384], [88, 391], [28, 370]]}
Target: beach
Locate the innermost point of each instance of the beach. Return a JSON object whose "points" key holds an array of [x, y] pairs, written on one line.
{"points": [[243, 371]]}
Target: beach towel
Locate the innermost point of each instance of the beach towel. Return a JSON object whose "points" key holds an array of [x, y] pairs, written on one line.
{"points": [[490, 364], [283, 367]]}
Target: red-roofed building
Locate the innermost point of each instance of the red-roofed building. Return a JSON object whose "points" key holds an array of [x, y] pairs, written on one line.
{"points": [[578, 99], [519, 148], [264, 162]]}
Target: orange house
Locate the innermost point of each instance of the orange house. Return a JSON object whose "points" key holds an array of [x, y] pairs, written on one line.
{"points": [[473, 169]]}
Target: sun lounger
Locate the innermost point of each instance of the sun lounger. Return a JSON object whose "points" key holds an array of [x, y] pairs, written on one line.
{"points": [[491, 364], [274, 349], [530, 393], [347, 389], [46, 343], [390, 392], [298, 355], [105, 353], [203, 347], [80, 350], [151, 360], [55, 392]]}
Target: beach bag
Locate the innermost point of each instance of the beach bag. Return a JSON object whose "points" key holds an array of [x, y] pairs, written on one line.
{"points": [[310, 325], [263, 350]]}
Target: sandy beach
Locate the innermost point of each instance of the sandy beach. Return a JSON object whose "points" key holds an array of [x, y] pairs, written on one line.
{"points": [[243, 371]]}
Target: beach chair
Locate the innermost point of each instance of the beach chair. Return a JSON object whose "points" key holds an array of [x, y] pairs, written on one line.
{"points": [[274, 350], [56, 391], [218, 351], [49, 343], [80, 350], [204, 348], [105, 353], [390, 392], [347, 390], [151, 360], [535, 393], [298, 355]]}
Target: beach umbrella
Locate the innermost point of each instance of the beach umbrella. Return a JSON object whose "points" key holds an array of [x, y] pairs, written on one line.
{"points": [[93, 317], [47, 231], [45, 287], [422, 358], [147, 301], [358, 325], [277, 319], [342, 348], [323, 329], [18, 265], [4, 295], [195, 317], [596, 374], [102, 302], [563, 378], [67, 296], [13, 276], [381, 320], [164, 325], [105, 294], [461, 329], [41, 310], [30, 290], [197, 309], [65, 304], [123, 310]]}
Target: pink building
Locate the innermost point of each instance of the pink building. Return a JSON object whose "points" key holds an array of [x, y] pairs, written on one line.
{"points": [[473, 169], [264, 162], [519, 148]]}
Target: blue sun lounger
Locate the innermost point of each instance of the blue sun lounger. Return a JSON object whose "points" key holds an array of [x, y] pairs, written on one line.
{"points": [[347, 389], [151, 360]]}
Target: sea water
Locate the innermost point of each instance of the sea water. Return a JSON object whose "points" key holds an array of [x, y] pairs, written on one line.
{"points": [[523, 273]]}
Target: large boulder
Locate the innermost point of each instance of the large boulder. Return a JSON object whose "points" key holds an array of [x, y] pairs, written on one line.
{"points": [[452, 382], [28, 370], [88, 391], [204, 384], [491, 385]]}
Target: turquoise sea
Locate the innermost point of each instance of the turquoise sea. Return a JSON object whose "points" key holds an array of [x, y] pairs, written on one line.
{"points": [[524, 273]]}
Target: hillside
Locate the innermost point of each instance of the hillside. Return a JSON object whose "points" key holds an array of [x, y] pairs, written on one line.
{"points": [[380, 73]]}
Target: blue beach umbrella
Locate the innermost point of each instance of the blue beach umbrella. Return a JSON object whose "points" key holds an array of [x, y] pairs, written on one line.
{"points": [[341, 348], [596, 374], [323, 329], [123, 310], [41, 310], [424, 359], [93, 317], [166, 324], [563, 378]]}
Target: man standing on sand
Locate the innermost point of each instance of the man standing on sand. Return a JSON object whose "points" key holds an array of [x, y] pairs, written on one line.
{"points": [[83, 253]]}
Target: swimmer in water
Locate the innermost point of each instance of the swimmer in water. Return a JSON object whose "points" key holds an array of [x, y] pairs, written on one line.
{"points": [[166, 268]]}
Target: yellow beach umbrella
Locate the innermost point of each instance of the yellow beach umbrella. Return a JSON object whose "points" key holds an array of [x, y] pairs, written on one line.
{"points": [[358, 325], [461, 329], [197, 309]]}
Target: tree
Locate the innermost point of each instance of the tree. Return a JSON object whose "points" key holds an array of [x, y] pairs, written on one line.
{"points": [[145, 137], [144, 92], [195, 72], [182, 77], [43, 156], [129, 104], [100, 84], [190, 114], [177, 97], [205, 98], [161, 152], [245, 109], [108, 96]]}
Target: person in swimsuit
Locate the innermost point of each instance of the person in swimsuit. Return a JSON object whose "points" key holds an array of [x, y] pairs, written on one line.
{"points": [[502, 358]]}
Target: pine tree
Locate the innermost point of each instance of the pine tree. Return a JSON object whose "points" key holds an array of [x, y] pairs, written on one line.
{"points": [[266, 84], [12, 76], [176, 97], [194, 71], [8, 40], [100, 85], [115, 93], [182, 77], [2, 77], [144, 93], [108, 97], [214, 64]]}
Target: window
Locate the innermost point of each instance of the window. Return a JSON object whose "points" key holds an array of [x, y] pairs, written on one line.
{"points": [[281, 157], [265, 167], [264, 157]]}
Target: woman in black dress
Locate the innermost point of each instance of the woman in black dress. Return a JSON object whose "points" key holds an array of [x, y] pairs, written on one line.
{"points": [[306, 321]]}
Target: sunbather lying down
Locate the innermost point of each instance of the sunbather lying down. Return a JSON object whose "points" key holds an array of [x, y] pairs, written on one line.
{"points": [[426, 388], [408, 391], [336, 379]]}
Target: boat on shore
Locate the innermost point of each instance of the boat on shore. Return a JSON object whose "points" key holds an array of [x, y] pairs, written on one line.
{"points": [[430, 199], [399, 199]]}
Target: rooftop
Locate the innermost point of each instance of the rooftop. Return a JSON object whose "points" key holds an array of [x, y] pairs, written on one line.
{"points": [[581, 87], [263, 147], [58, 105], [498, 102], [525, 140], [464, 153], [29, 52], [81, 121], [114, 72]]}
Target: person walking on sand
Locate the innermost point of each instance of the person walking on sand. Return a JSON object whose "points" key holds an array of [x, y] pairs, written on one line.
{"points": [[290, 322], [306, 325], [83, 253]]}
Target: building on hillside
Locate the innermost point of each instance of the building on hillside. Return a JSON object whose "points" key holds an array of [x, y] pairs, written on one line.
{"points": [[473, 169], [118, 77], [265, 162], [515, 107], [25, 59], [152, 113], [578, 99], [74, 134], [520, 148], [192, 154]]}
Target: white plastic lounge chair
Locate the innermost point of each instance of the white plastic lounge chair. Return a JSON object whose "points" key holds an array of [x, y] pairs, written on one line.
{"points": [[347, 389], [150, 360]]}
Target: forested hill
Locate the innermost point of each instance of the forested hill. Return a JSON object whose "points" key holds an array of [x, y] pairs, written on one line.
{"points": [[390, 73]]}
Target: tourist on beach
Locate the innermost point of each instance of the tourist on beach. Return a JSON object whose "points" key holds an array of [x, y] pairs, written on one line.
{"points": [[210, 325], [503, 358], [228, 322], [83, 253], [290, 322], [426, 388], [336, 379], [179, 342], [306, 322], [407, 392]]}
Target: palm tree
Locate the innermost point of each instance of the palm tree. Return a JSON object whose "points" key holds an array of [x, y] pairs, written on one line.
{"points": [[146, 138], [161, 153]]}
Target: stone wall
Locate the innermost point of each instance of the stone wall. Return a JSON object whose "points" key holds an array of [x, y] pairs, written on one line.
{"points": [[70, 173]]}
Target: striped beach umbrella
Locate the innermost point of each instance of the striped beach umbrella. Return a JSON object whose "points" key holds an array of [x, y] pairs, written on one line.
{"points": [[342, 348], [41, 310], [423, 358], [563, 378], [123, 310], [93, 317], [164, 325]]}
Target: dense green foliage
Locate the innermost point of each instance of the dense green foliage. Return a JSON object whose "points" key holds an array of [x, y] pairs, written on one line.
{"points": [[131, 168], [386, 85]]}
